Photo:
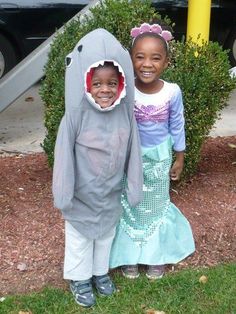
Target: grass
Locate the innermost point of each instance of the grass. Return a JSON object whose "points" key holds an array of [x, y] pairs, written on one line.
{"points": [[179, 292]]}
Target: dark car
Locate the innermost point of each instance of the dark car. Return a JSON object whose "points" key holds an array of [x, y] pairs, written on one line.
{"points": [[26, 24]]}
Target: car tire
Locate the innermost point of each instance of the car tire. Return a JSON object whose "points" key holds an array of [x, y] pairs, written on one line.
{"points": [[231, 45], [8, 56]]}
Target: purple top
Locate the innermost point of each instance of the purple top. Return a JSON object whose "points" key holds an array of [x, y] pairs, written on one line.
{"points": [[160, 115]]}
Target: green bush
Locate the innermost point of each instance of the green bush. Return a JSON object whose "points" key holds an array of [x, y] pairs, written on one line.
{"points": [[202, 72], [204, 79]]}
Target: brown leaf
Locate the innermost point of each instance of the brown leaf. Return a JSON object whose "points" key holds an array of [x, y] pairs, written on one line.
{"points": [[203, 279], [21, 266], [30, 98], [231, 145], [151, 311]]}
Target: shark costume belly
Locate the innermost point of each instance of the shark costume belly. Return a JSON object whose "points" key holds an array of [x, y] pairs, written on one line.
{"points": [[96, 147]]}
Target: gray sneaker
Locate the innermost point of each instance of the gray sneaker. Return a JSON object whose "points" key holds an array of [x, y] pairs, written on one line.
{"points": [[104, 285], [155, 271], [130, 271], [83, 292]]}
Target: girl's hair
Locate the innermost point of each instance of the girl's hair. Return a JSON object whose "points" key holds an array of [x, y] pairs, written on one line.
{"points": [[151, 35]]}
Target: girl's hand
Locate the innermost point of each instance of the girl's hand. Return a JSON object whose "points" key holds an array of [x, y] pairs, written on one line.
{"points": [[177, 167]]}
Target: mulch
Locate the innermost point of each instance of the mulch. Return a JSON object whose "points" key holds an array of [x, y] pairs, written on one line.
{"points": [[32, 230]]}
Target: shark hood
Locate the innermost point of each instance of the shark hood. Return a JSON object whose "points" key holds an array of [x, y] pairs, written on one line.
{"points": [[92, 50]]}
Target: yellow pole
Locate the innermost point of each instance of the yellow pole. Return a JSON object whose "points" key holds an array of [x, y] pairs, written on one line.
{"points": [[199, 12]]}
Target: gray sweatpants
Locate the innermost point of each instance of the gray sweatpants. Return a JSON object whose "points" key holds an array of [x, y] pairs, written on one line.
{"points": [[84, 257]]}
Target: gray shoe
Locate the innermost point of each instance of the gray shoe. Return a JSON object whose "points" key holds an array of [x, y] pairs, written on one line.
{"points": [[155, 271], [130, 271], [83, 292], [104, 285]]}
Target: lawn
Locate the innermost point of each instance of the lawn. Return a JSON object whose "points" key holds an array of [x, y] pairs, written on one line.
{"points": [[177, 292]]}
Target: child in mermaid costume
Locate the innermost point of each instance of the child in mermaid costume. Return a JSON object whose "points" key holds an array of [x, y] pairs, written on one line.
{"points": [[154, 233]]}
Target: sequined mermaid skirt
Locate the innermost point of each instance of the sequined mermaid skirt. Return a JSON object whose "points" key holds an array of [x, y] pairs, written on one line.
{"points": [[155, 232]]}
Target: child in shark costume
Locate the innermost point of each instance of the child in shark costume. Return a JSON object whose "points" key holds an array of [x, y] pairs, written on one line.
{"points": [[95, 149]]}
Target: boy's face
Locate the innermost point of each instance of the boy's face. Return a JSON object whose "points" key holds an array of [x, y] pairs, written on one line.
{"points": [[104, 86]]}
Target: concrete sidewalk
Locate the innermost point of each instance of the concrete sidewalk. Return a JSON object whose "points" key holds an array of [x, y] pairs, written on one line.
{"points": [[22, 129], [226, 125], [21, 124]]}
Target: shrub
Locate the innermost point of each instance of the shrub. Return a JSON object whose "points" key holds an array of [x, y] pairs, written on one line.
{"points": [[204, 79], [202, 72]]}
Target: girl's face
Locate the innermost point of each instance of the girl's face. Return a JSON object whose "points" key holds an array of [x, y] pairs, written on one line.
{"points": [[150, 59], [104, 86]]}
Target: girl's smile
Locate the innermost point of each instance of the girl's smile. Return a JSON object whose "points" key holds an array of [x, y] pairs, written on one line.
{"points": [[146, 74]]}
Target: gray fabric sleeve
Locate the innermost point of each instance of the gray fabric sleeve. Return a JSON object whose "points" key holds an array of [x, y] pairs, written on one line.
{"points": [[134, 174], [64, 164]]}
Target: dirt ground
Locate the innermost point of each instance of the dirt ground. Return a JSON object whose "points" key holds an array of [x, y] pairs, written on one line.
{"points": [[32, 231]]}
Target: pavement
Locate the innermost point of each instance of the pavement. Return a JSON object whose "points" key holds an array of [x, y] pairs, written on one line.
{"points": [[22, 128], [21, 124]]}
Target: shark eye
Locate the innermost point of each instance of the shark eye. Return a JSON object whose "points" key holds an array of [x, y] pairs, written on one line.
{"points": [[68, 61], [80, 47]]}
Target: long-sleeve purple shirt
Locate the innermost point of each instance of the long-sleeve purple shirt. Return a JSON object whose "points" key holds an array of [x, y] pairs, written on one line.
{"points": [[160, 115]]}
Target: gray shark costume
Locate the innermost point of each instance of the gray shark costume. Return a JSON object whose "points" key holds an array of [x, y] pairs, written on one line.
{"points": [[95, 147]]}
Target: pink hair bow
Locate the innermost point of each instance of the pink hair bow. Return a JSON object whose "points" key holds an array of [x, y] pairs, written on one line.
{"points": [[154, 28]]}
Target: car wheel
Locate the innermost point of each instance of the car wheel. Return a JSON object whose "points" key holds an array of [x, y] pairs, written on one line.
{"points": [[231, 45], [8, 56]]}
